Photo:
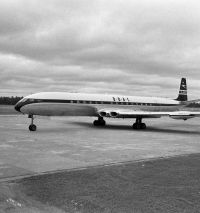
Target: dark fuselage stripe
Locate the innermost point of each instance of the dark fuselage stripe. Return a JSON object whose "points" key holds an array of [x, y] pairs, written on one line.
{"points": [[30, 101]]}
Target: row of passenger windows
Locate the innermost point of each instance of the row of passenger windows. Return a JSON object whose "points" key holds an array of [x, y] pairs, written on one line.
{"points": [[107, 102]]}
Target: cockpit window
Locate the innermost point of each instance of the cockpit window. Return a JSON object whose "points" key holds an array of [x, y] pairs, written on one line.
{"points": [[23, 100]]}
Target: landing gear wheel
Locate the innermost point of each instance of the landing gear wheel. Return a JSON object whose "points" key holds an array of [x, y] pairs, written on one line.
{"points": [[143, 126], [138, 124], [135, 126], [99, 122], [96, 123], [32, 127], [102, 123]]}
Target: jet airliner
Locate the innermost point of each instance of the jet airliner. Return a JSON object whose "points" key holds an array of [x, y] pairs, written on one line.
{"points": [[107, 106]]}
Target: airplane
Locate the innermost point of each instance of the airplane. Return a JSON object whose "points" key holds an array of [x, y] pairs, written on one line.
{"points": [[108, 106]]}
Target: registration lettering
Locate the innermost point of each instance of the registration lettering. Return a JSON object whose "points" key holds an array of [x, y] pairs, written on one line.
{"points": [[122, 99]]}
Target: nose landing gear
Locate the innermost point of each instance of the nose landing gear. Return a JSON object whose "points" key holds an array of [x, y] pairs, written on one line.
{"points": [[32, 127]]}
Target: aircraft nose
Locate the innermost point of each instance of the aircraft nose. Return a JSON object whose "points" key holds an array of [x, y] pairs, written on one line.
{"points": [[18, 106]]}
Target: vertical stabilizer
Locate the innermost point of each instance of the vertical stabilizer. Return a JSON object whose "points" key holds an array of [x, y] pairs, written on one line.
{"points": [[183, 91]]}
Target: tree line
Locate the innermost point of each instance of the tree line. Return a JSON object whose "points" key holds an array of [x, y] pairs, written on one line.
{"points": [[9, 100], [194, 104]]}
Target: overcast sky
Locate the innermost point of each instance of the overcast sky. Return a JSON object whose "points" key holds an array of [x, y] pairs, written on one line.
{"points": [[133, 47]]}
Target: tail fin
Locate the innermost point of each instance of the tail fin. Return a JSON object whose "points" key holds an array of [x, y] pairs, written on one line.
{"points": [[183, 91]]}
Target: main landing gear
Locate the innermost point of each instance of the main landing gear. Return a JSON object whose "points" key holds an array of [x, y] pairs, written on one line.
{"points": [[32, 127], [138, 124], [99, 122]]}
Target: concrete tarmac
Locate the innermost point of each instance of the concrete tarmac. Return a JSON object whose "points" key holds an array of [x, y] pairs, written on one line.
{"points": [[73, 142]]}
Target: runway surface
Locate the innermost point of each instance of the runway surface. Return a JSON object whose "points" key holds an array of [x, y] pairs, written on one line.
{"points": [[73, 142], [69, 165]]}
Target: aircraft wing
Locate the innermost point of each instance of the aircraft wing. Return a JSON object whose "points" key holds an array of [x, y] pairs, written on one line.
{"points": [[123, 113]]}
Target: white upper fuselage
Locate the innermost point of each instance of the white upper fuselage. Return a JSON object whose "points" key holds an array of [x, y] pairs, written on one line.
{"points": [[80, 104], [100, 97]]}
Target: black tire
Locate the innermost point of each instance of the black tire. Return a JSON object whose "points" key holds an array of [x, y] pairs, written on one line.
{"points": [[102, 123], [139, 126], [135, 126], [99, 123], [32, 127], [96, 123], [143, 126]]}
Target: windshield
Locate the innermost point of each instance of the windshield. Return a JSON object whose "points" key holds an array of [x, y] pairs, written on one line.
{"points": [[22, 100]]}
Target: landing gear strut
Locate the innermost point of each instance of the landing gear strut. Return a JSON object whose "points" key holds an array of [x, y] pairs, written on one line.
{"points": [[138, 124], [99, 122], [32, 127]]}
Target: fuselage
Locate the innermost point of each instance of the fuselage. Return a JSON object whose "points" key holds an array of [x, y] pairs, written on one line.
{"points": [[80, 104]]}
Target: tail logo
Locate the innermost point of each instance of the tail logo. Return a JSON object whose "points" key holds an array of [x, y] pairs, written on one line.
{"points": [[182, 91]]}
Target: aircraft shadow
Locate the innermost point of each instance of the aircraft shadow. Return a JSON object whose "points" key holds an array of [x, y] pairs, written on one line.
{"points": [[129, 128]]}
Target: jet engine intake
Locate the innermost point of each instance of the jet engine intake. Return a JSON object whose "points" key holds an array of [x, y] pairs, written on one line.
{"points": [[104, 114], [114, 114]]}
